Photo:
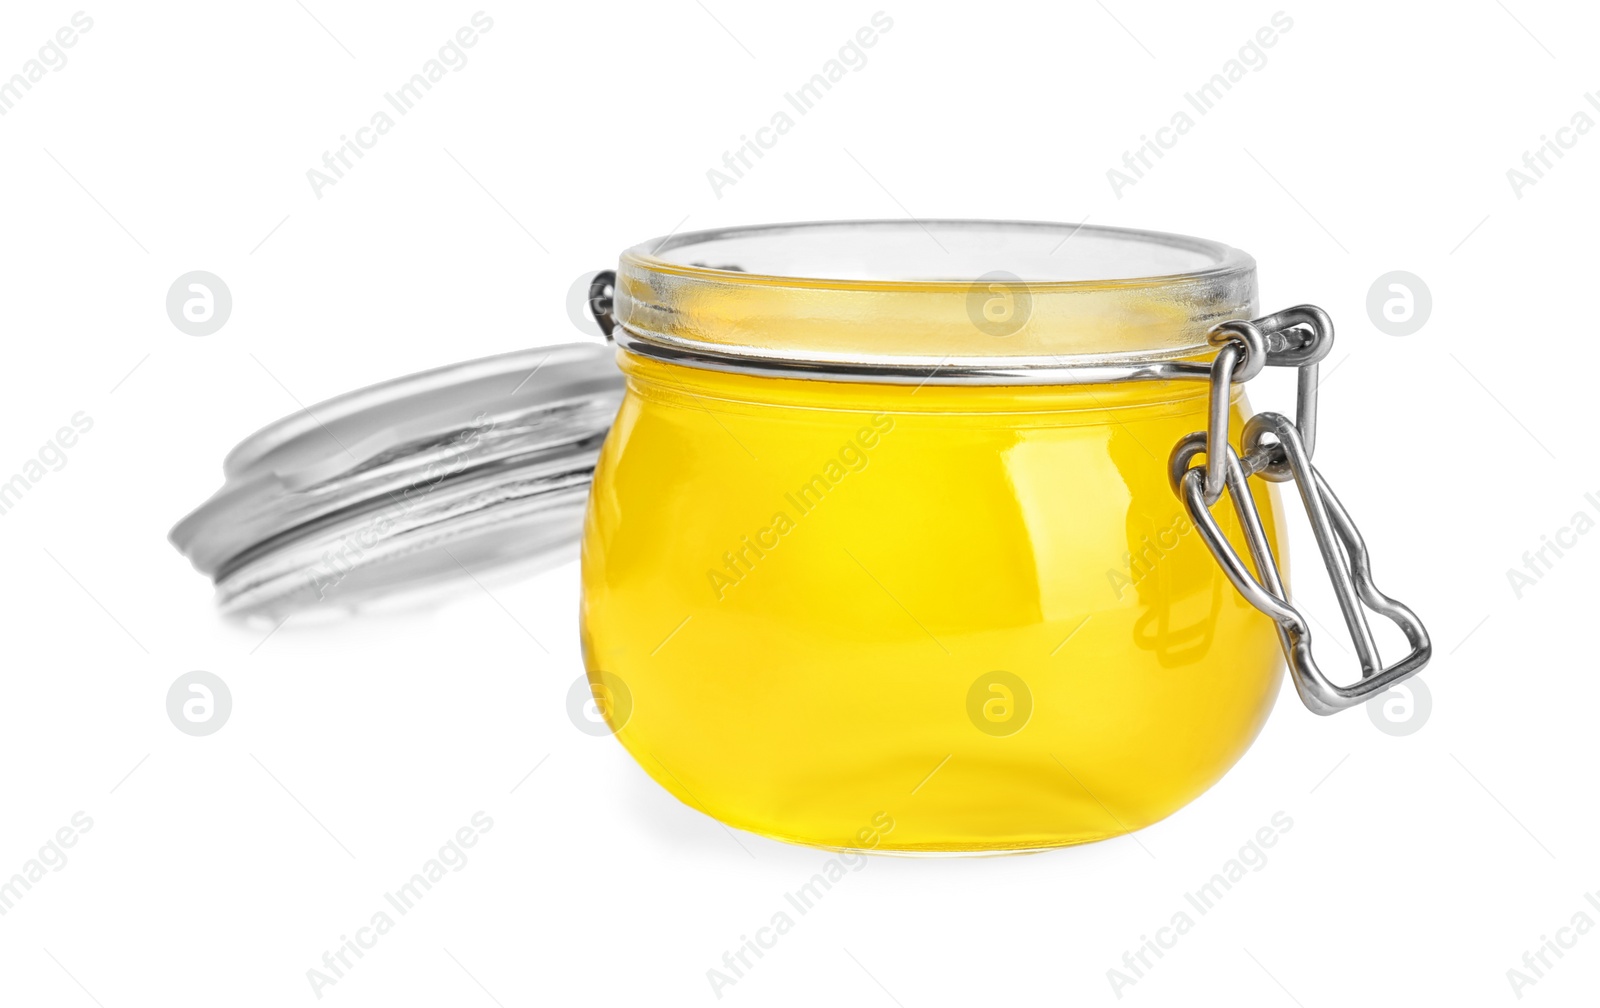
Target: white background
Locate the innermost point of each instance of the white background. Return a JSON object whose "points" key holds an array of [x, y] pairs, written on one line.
{"points": [[218, 870]]}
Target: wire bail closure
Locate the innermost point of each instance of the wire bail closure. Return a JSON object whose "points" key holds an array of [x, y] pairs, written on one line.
{"points": [[1279, 450]]}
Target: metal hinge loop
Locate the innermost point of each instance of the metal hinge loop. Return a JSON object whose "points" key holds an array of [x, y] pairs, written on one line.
{"points": [[1297, 337], [601, 301]]}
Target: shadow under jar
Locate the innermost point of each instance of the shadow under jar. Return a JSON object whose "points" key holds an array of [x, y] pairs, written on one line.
{"points": [[882, 552]]}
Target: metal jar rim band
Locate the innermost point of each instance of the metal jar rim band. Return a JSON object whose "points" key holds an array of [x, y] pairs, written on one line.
{"points": [[1032, 371]]}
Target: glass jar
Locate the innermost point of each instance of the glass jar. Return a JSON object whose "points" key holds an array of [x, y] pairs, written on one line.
{"points": [[881, 551], [901, 538]]}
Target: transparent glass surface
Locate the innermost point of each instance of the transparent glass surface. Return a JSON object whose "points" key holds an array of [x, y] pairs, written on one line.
{"points": [[923, 619]]}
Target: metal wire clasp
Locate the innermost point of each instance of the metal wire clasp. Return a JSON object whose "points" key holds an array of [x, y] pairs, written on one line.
{"points": [[1279, 450]]}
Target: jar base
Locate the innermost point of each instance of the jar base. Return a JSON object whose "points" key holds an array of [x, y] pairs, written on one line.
{"points": [[936, 850], [974, 853]]}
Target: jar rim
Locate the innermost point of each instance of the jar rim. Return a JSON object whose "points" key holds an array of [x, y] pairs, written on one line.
{"points": [[946, 300], [672, 253]]}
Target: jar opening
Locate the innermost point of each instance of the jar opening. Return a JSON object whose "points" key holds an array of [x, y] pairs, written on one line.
{"points": [[945, 251], [878, 300]]}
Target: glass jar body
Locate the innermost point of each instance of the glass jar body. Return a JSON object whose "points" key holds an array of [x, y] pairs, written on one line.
{"points": [[930, 619]]}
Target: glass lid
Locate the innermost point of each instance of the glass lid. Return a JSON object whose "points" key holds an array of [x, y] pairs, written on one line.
{"points": [[408, 484]]}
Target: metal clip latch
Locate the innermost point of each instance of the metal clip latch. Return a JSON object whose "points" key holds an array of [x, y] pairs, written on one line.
{"points": [[1298, 337]]}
